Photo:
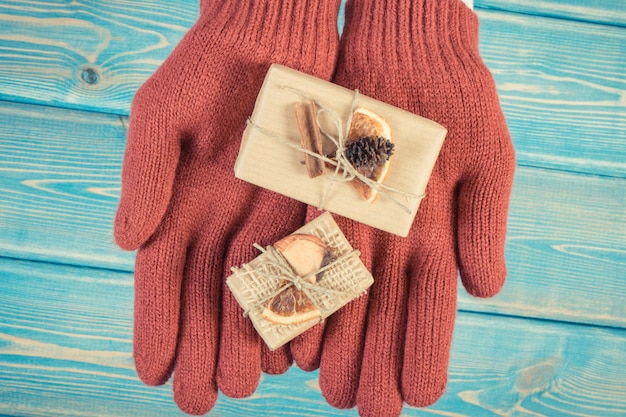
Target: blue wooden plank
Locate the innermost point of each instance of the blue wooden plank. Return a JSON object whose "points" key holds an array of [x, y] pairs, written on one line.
{"points": [[566, 250], [562, 89], [610, 12], [90, 55], [65, 350], [59, 185]]}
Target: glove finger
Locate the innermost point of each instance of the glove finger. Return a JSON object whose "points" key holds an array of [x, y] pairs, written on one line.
{"points": [[239, 366], [158, 278], [306, 348], [431, 274], [482, 217], [430, 316], [275, 362], [379, 390], [431, 307], [150, 161], [195, 388], [267, 218], [340, 363]]}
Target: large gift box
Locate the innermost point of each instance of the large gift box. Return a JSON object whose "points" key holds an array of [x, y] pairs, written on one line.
{"points": [[272, 153], [299, 281]]}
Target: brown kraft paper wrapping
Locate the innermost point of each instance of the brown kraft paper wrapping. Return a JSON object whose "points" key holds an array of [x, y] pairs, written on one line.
{"points": [[267, 160], [345, 279]]}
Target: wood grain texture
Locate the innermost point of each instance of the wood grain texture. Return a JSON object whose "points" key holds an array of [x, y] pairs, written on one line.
{"points": [[610, 12], [564, 99], [65, 350], [566, 250], [59, 178], [60, 182], [90, 55]]}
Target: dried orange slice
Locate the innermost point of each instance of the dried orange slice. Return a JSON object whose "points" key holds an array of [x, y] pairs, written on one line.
{"points": [[368, 125], [306, 254]]}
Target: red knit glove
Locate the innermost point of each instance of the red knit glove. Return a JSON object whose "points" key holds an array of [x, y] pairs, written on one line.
{"points": [[422, 56], [182, 206]]}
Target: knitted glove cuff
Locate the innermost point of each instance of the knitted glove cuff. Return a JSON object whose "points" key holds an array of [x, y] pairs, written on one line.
{"points": [[290, 25], [414, 30]]}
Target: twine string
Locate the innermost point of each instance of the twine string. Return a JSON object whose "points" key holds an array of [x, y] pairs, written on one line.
{"points": [[284, 273], [344, 171]]}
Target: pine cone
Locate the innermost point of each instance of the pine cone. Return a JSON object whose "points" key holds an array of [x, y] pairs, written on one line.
{"points": [[369, 151]]}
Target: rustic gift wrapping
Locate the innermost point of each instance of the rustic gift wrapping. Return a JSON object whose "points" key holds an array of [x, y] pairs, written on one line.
{"points": [[271, 155], [257, 282]]}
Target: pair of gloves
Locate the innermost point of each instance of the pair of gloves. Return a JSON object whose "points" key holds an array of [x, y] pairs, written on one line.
{"points": [[191, 219]]}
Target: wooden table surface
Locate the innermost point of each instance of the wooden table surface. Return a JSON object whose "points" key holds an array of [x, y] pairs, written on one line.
{"points": [[553, 343]]}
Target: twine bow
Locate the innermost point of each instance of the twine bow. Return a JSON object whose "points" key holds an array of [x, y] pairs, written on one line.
{"points": [[277, 268], [344, 170]]}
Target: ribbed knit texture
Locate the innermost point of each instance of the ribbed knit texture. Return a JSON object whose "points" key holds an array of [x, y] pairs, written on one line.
{"points": [[182, 206], [422, 56]]}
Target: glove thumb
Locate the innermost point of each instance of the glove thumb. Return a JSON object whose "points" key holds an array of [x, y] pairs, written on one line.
{"points": [[148, 171], [482, 217]]}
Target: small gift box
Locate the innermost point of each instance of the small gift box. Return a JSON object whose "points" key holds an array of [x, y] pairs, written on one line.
{"points": [[375, 159], [299, 281]]}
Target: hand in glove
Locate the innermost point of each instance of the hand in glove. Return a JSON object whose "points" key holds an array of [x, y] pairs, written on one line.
{"points": [[182, 206], [393, 347]]}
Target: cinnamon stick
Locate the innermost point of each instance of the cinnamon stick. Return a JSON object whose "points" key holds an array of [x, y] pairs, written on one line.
{"points": [[310, 136]]}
